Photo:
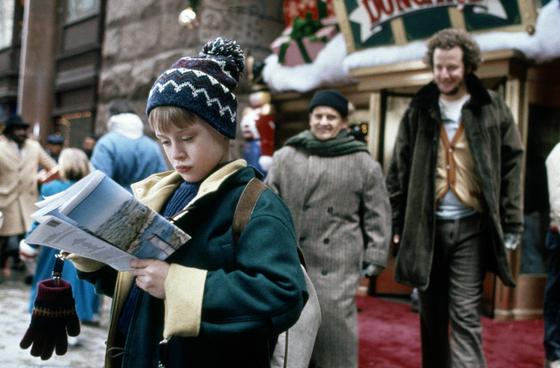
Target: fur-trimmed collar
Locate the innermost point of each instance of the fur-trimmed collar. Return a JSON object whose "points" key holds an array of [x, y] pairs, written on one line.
{"points": [[427, 96]]}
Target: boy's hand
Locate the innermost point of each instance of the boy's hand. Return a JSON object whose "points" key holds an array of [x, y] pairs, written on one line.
{"points": [[150, 276]]}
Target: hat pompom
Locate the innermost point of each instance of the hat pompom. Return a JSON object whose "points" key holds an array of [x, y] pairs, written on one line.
{"points": [[227, 49]]}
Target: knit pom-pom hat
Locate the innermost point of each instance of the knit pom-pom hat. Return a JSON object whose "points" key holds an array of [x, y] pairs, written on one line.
{"points": [[204, 85]]}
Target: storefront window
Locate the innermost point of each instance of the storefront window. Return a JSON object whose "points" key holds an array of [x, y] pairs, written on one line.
{"points": [[6, 23], [75, 126], [79, 9], [395, 108]]}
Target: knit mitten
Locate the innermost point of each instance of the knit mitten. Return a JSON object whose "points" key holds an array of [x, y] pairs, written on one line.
{"points": [[53, 319]]}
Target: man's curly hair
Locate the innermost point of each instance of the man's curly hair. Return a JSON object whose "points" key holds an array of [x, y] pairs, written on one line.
{"points": [[447, 39]]}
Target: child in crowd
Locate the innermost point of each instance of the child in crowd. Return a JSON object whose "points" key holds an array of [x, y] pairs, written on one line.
{"points": [[216, 302]]}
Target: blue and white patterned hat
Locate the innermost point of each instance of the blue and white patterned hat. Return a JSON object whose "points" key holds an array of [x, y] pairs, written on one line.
{"points": [[204, 85]]}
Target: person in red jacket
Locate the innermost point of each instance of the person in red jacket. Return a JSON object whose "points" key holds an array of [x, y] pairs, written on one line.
{"points": [[257, 126]]}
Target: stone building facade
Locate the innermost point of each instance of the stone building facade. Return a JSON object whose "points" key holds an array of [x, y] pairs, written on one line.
{"points": [[82, 54], [143, 37]]}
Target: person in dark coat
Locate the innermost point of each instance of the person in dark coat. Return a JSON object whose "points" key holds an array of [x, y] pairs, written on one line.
{"points": [[55, 144], [216, 302], [455, 189], [88, 144]]}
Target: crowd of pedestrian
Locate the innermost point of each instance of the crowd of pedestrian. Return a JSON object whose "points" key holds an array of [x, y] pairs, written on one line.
{"points": [[30, 173], [450, 206]]}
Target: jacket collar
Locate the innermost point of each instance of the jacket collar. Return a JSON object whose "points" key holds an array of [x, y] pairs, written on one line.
{"points": [[427, 96], [215, 180], [155, 190]]}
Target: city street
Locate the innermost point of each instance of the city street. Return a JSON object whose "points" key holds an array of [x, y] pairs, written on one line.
{"points": [[379, 319], [410, 146], [14, 319]]}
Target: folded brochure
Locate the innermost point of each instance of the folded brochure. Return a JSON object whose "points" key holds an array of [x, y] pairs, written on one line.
{"points": [[98, 219]]}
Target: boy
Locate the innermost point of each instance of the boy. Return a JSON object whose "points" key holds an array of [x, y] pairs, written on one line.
{"points": [[216, 302]]}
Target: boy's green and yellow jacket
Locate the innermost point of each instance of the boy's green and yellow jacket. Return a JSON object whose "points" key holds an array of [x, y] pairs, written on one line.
{"points": [[225, 303]]}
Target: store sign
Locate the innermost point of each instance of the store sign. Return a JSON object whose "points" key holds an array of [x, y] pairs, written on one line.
{"points": [[369, 23], [370, 15]]}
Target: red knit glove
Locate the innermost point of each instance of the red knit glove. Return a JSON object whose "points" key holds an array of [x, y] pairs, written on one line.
{"points": [[52, 321]]}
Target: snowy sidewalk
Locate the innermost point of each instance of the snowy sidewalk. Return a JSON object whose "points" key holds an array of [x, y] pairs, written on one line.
{"points": [[14, 319]]}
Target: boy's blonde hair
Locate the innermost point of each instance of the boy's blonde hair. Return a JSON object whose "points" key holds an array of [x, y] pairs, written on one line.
{"points": [[162, 117], [73, 164]]}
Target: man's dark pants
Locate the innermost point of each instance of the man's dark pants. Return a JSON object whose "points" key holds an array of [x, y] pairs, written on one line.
{"points": [[9, 247], [453, 296]]}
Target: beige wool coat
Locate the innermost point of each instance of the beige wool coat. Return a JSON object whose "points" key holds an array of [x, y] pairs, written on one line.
{"points": [[342, 217], [18, 183]]}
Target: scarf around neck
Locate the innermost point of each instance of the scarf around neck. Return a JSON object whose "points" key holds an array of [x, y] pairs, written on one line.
{"points": [[343, 144]]}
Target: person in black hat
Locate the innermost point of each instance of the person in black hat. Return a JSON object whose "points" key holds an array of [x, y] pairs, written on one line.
{"points": [[20, 158], [55, 143], [16, 129], [336, 193]]}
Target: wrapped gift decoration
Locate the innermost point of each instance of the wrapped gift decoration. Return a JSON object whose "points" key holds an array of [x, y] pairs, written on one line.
{"points": [[319, 9], [301, 43]]}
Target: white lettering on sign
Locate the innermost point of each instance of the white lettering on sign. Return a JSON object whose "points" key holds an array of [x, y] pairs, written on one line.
{"points": [[371, 14]]}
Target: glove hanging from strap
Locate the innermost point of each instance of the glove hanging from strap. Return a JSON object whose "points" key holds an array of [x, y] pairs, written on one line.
{"points": [[54, 316]]}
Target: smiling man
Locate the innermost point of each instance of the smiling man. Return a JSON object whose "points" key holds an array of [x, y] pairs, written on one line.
{"points": [[337, 196], [455, 187]]}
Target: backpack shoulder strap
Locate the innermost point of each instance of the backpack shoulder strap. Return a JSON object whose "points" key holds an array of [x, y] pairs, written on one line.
{"points": [[243, 211], [246, 205]]}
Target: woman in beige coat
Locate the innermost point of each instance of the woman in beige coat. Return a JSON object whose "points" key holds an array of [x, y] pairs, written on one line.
{"points": [[20, 158], [336, 193]]}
